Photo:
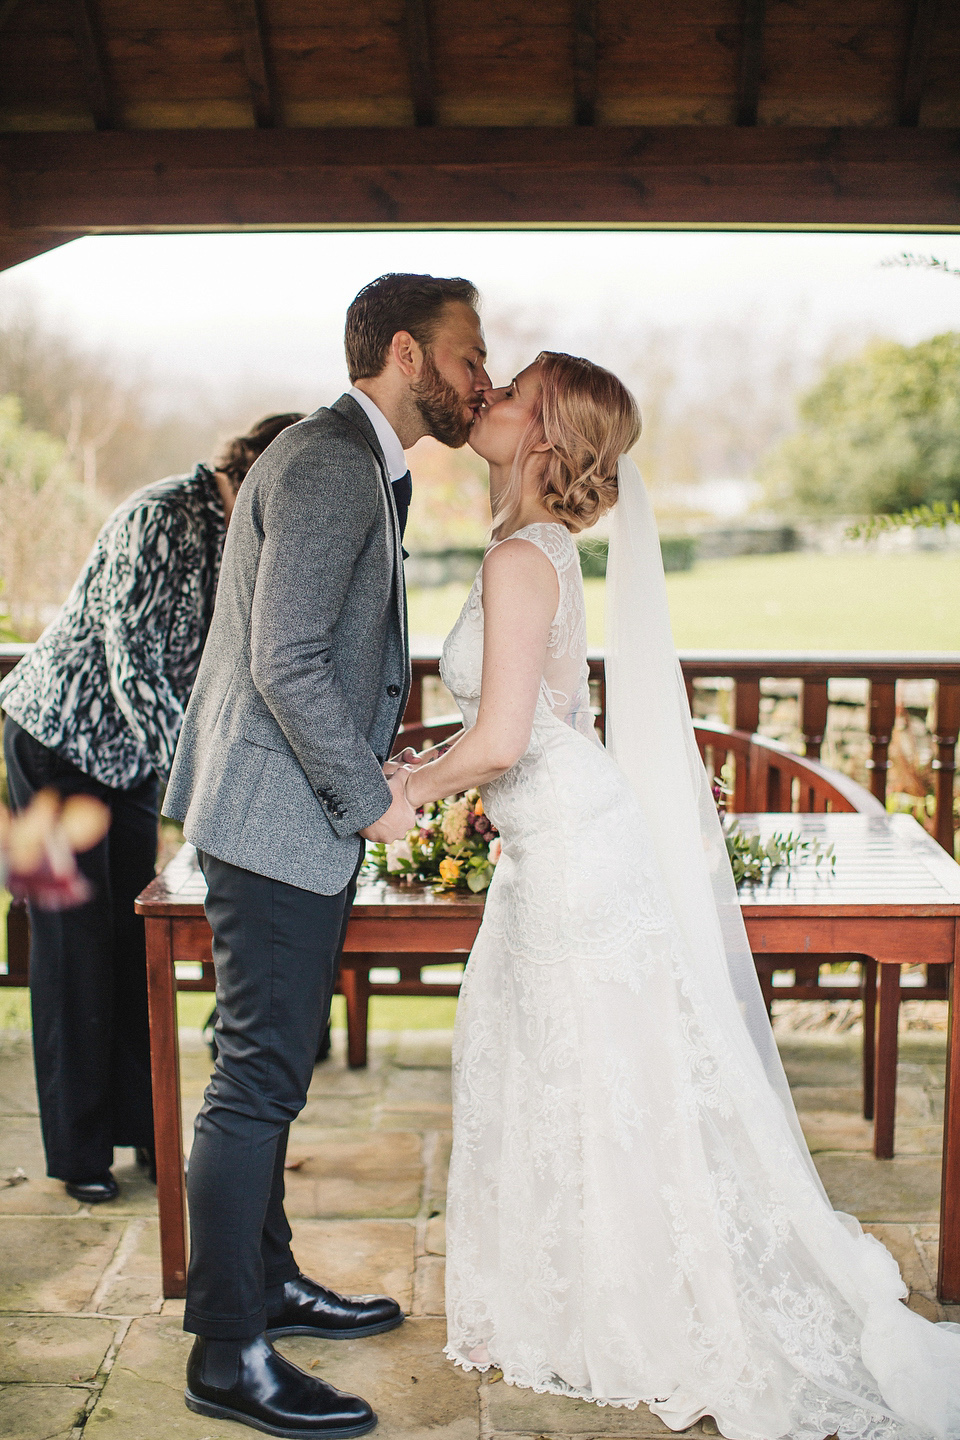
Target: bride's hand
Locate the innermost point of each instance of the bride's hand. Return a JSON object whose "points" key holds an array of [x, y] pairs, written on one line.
{"points": [[411, 760], [407, 758]]}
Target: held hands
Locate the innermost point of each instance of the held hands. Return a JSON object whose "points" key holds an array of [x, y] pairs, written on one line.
{"points": [[408, 757], [401, 817]]}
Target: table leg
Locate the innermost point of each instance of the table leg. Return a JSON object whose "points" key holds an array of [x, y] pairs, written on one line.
{"points": [[167, 1117], [885, 1090], [355, 985], [948, 1276], [868, 989]]}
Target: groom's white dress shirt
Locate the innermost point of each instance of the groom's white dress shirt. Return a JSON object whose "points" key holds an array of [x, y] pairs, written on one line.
{"points": [[385, 433]]}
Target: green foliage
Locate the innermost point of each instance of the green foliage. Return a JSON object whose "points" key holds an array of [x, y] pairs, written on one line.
{"points": [[47, 520], [879, 434], [751, 859], [919, 517], [679, 553]]}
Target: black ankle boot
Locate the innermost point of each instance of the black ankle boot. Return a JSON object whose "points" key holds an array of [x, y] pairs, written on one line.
{"points": [[248, 1382]]}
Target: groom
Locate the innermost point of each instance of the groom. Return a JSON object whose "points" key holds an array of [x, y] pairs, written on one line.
{"points": [[277, 776]]}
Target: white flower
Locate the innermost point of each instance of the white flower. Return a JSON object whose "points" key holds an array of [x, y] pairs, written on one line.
{"points": [[453, 827], [496, 848], [398, 850]]}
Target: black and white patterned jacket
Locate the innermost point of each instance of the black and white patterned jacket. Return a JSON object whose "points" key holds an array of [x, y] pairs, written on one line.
{"points": [[108, 681]]}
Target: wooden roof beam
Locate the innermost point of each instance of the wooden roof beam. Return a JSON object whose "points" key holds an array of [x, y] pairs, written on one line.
{"points": [[420, 61], [93, 63], [922, 25], [60, 183], [256, 62], [585, 61], [751, 62]]}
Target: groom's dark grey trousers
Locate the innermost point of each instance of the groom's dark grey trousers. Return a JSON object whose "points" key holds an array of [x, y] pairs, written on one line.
{"points": [[276, 949]]}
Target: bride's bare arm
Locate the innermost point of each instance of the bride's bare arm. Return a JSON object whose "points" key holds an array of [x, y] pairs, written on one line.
{"points": [[520, 597]]}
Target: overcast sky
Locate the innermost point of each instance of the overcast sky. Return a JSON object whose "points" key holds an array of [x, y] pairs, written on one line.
{"points": [[267, 310]]}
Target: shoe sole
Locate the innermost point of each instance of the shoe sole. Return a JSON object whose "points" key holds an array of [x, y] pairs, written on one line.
{"points": [[221, 1412], [357, 1333]]}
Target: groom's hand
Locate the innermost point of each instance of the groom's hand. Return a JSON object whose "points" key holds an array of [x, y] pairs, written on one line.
{"points": [[400, 818]]}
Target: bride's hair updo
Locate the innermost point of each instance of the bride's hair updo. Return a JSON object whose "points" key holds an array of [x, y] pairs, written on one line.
{"points": [[589, 419]]}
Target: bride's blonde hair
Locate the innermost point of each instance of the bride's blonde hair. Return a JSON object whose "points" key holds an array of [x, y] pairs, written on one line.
{"points": [[588, 418]]}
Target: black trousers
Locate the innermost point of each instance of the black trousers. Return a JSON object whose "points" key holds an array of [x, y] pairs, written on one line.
{"points": [[276, 949], [88, 975]]}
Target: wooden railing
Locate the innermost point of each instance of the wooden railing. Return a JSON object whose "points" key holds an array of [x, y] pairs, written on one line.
{"points": [[747, 669]]}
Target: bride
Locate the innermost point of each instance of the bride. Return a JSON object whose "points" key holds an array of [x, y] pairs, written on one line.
{"points": [[633, 1215]]}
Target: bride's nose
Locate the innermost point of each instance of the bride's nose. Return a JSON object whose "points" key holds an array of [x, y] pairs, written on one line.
{"points": [[493, 395]]}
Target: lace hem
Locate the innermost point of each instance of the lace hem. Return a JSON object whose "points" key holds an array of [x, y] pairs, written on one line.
{"points": [[545, 1388]]}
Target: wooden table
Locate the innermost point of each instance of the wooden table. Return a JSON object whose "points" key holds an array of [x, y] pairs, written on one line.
{"points": [[894, 896]]}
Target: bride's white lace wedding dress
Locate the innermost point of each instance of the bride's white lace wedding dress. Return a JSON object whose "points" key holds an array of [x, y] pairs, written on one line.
{"points": [[631, 1217]]}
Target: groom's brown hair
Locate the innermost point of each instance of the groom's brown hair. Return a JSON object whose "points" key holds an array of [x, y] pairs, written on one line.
{"points": [[397, 302]]}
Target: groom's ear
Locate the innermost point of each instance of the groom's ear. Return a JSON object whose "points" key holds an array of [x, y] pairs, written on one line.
{"points": [[406, 353]]}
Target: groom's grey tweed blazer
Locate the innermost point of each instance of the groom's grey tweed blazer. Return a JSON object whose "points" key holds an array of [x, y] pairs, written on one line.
{"points": [[306, 668]]}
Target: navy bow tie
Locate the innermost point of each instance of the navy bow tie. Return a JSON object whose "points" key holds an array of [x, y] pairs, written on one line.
{"points": [[402, 495]]}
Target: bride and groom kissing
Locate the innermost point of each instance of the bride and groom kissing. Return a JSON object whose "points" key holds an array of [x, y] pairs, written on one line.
{"points": [[633, 1215]]}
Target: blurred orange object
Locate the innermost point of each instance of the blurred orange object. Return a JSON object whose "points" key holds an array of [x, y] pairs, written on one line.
{"points": [[38, 848]]}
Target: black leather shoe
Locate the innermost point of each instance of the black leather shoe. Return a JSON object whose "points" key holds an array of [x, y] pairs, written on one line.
{"points": [[260, 1388], [312, 1309], [95, 1191]]}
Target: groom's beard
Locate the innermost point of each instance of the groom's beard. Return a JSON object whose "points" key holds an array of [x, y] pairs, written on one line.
{"points": [[441, 406]]}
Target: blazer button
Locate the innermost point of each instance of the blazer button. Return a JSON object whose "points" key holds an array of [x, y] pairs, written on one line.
{"points": [[393, 689]]}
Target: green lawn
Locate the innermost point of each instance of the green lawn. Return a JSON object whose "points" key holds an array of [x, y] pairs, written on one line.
{"points": [[401, 1012], [853, 601]]}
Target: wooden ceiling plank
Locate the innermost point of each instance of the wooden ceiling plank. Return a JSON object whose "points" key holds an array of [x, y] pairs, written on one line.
{"points": [[93, 63], [922, 26], [256, 62], [7, 7], [585, 61], [751, 62], [420, 60], [168, 180]]}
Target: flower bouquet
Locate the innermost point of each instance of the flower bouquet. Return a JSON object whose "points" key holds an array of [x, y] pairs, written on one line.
{"points": [[455, 846]]}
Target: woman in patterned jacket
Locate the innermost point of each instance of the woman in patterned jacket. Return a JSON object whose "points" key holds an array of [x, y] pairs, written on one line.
{"points": [[96, 709]]}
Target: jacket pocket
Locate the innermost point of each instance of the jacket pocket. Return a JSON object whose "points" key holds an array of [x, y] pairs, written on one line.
{"points": [[264, 731]]}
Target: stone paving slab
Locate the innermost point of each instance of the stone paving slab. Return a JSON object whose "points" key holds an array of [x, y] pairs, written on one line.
{"points": [[133, 1284], [428, 1286], [905, 1247], [18, 1091], [143, 1396], [358, 1257], [38, 1194], [353, 1174], [424, 1050], [404, 1374], [834, 1130], [50, 1264], [903, 1189], [53, 1348], [841, 1099], [436, 1238], [41, 1412]]}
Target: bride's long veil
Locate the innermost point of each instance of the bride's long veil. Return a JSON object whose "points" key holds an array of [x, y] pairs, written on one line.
{"points": [[650, 735]]}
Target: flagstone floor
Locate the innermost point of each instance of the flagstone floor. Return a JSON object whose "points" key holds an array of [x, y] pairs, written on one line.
{"points": [[87, 1346]]}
